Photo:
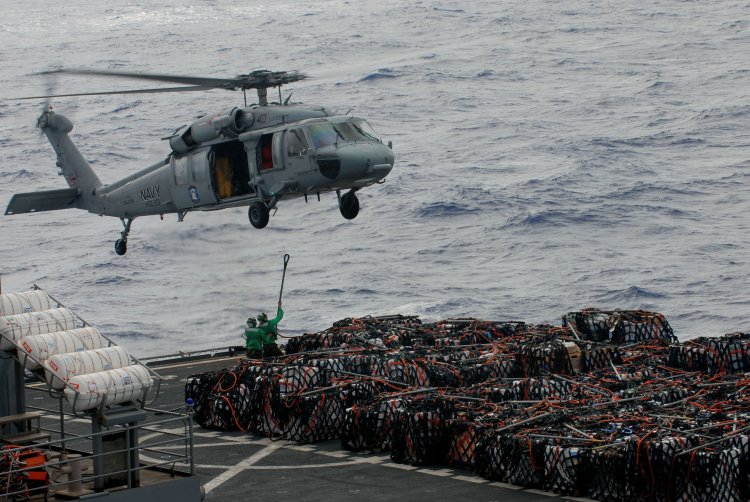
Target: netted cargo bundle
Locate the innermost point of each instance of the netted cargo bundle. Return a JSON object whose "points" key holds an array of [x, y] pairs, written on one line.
{"points": [[509, 458], [317, 341], [524, 404], [566, 468], [657, 463], [594, 356], [367, 427], [399, 369], [726, 354], [718, 475], [493, 392], [295, 379], [465, 332], [361, 392], [535, 359], [489, 370], [419, 432], [618, 326], [537, 389], [463, 435], [222, 401], [615, 477], [333, 367], [441, 374], [316, 417]]}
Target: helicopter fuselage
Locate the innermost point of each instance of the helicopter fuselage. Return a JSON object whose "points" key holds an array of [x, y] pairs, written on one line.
{"points": [[254, 156], [294, 157]]}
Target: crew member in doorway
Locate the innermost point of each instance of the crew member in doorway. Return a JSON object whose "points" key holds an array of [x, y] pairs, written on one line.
{"points": [[260, 336]]}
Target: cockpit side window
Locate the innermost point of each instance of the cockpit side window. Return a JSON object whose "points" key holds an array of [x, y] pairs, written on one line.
{"points": [[322, 134], [296, 144]]}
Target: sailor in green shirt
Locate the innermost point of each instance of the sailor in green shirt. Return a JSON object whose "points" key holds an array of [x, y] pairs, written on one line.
{"points": [[260, 340]]}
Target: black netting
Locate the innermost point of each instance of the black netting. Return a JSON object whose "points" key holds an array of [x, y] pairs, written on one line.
{"points": [[619, 326], [566, 470], [315, 418], [626, 414], [615, 477], [463, 436], [419, 432], [547, 357], [368, 427]]}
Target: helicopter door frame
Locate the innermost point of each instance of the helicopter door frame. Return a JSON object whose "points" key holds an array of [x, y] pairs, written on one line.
{"points": [[271, 152], [297, 150], [191, 179]]}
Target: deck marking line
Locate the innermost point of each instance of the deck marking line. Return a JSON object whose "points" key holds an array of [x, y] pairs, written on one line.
{"points": [[506, 486], [237, 468], [471, 479], [435, 472], [541, 492]]}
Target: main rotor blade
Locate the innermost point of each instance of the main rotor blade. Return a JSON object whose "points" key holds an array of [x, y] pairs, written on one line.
{"points": [[176, 79], [131, 91], [253, 80]]}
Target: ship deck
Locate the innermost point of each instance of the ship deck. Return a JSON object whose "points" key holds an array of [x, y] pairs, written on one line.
{"points": [[247, 467], [244, 466]]}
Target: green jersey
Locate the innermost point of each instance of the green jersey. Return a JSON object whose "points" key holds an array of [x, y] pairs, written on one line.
{"points": [[265, 334]]}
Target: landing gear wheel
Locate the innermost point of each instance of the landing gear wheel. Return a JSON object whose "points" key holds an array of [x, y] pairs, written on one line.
{"points": [[258, 214], [121, 246], [349, 205]]}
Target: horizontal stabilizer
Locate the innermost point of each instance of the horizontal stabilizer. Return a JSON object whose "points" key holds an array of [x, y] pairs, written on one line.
{"points": [[47, 200]]}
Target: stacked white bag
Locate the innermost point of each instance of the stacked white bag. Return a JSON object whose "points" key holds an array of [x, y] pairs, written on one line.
{"points": [[23, 303], [42, 347], [16, 326], [108, 387], [93, 371]]}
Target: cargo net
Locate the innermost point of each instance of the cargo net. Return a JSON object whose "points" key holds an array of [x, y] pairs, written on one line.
{"points": [[727, 354], [613, 409], [619, 326]]}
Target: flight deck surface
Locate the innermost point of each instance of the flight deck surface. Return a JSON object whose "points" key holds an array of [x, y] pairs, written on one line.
{"points": [[244, 466]]}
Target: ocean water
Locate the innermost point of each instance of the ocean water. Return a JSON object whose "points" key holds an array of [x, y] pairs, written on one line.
{"points": [[550, 156]]}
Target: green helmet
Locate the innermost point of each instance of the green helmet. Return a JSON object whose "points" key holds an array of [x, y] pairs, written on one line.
{"points": [[262, 317]]}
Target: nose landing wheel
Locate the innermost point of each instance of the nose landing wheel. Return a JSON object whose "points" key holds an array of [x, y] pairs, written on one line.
{"points": [[121, 246], [348, 205]]}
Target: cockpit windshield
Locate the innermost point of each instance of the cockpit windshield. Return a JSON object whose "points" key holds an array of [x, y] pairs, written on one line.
{"points": [[363, 128], [351, 131]]}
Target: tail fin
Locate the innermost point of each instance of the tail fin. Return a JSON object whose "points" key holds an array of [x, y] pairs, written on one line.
{"points": [[73, 166]]}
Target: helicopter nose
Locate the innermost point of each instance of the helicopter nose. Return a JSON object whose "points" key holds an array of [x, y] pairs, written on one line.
{"points": [[371, 161]]}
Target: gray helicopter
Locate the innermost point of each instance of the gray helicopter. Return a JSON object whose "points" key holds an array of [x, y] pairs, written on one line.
{"points": [[252, 156]]}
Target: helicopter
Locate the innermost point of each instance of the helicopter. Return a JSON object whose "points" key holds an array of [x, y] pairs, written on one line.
{"points": [[253, 156]]}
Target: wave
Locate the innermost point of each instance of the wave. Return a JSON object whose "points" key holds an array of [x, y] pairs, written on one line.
{"points": [[383, 73], [629, 296], [444, 209]]}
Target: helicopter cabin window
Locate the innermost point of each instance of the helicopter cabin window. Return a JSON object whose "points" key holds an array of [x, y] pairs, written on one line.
{"points": [[296, 144], [323, 134], [181, 174]]}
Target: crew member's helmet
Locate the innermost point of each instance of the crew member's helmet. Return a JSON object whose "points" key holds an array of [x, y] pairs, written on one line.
{"points": [[252, 322], [262, 317]]}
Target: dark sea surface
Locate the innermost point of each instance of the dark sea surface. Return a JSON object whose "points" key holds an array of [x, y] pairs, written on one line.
{"points": [[550, 156]]}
